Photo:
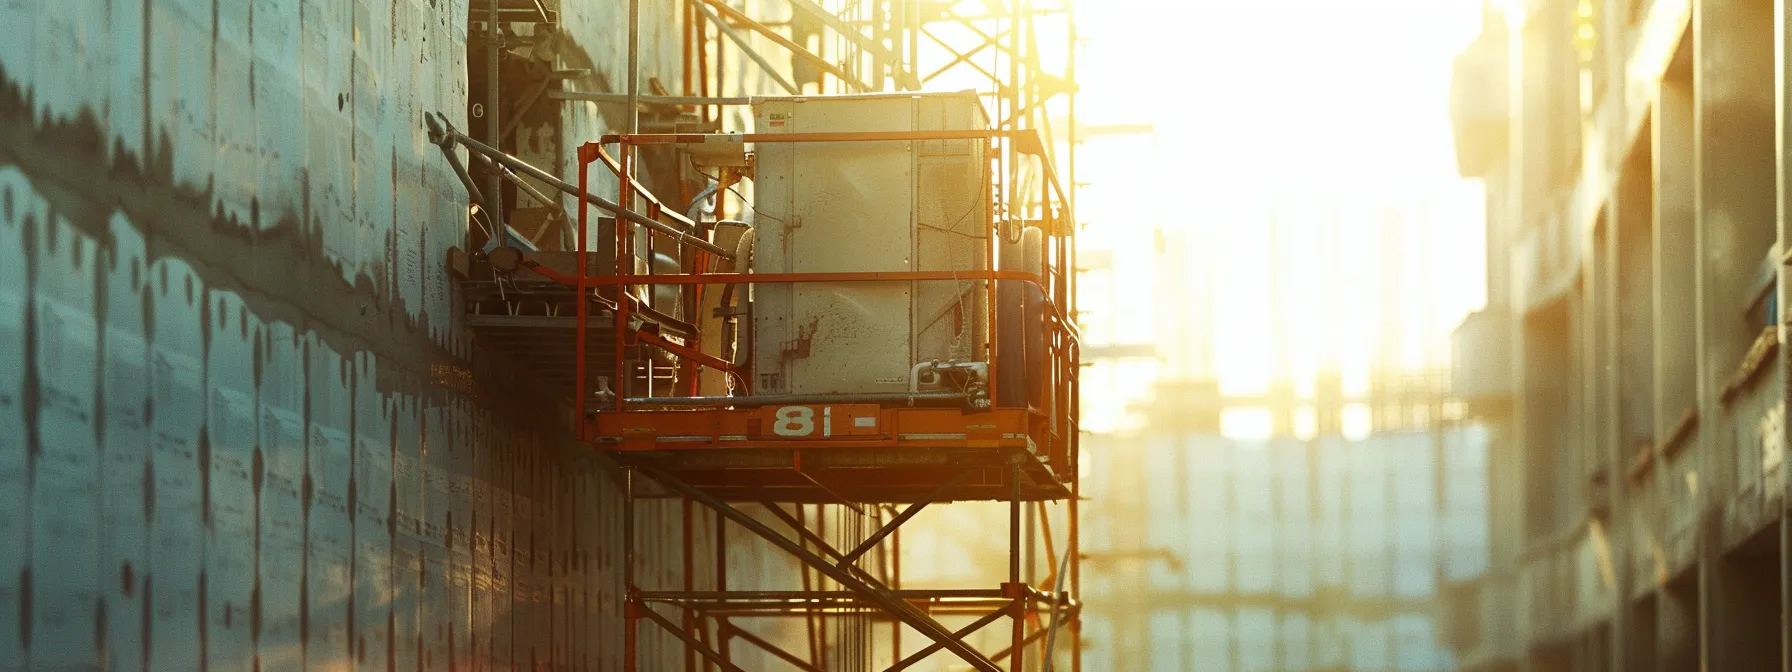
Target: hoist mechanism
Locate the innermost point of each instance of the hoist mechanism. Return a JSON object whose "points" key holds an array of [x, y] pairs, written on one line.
{"points": [[888, 321]]}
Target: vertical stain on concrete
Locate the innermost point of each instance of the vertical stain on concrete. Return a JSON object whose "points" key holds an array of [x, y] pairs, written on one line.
{"points": [[224, 329]]}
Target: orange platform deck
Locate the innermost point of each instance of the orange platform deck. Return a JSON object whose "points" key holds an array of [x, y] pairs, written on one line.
{"points": [[832, 453]]}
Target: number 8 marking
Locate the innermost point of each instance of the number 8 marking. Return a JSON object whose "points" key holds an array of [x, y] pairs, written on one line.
{"points": [[794, 421]]}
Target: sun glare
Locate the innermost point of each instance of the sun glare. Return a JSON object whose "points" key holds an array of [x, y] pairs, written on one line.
{"points": [[1298, 198]]}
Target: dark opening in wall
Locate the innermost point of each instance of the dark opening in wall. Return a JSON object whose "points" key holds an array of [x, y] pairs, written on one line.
{"points": [[1734, 53], [1547, 415], [1745, 604], [1635, 297], [1678, 623], [524, 121], [1640, 634], [1675, 246]]}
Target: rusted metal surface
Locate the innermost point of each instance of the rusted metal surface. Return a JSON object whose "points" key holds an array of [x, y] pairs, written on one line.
{"points": [[243, 422]]}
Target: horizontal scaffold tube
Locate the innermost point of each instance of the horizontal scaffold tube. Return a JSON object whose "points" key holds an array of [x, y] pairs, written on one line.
{"points": [[523, 167], [798, 399]]}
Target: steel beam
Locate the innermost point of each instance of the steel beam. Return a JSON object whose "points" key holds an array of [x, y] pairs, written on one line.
{"points": [[907, 513], [801, 529], [902, 75], [494, 45], [795, 49], [1004, 653], [747, 48], [735, 595], [894, 605], [773, 649], [689, 641], [439, 128], [1020, 622], [958, 636], [601, 97]]}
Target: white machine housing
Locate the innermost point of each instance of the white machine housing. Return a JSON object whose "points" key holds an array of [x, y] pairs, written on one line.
{"points": [[860, 207]]}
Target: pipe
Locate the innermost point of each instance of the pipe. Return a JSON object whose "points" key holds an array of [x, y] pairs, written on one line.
{"points": [[534, 193], [795, 49], [872, 592], [800, 399], [521, 110], [466, 180], [494, 44], [914, 374], [1051, 630], [600, 97], [634, 67], [979, 370], [694, 211], [747, 48], [903, 77], [523, 167]]}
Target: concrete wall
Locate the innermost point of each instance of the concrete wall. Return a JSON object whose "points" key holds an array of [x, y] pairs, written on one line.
{"points": [[242, 422], [1664, 550]]}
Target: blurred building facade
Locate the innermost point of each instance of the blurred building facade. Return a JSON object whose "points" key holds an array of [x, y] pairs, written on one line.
{"points": [[1629, 361], [1213, 553], [1298, 497]]}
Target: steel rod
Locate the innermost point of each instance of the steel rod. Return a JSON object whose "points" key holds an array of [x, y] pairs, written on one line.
{"points": [[527, 242], [904, 78], [795, 49], [690, 642], [825, 136], [773, 649], [523, 167], [895, 606], [800, 610], [494, 45], [747, 49], [537, 195], [802, 530], [1020, 621], [797, 399], [736, 595], [634, 67], [587, 152], [1051, 629], [909, 512], [687, 551], [1004, 653], [516, 118], [474, 194], [896, 583], [958, 636], [601, 97], [628, 567]]}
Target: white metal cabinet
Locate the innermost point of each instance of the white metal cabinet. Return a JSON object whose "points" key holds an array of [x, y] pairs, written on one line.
{"points": [[862, 207]]}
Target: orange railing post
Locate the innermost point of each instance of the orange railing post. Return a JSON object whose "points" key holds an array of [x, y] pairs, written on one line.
{"points": [[587, 154], [625, 266]]}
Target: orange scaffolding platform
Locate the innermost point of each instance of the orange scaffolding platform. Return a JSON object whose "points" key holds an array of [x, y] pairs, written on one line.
{"points": [[842, 449], [585, 319]]}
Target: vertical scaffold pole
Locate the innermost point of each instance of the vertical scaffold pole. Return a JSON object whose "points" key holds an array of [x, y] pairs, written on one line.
{"points": [[1014, 588], [587, 154], [631, 595]]}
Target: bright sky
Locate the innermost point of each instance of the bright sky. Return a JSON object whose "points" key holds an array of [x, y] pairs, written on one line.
{"points": [[1327, 117]]}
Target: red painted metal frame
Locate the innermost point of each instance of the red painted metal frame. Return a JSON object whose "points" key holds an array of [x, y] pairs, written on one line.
{"points": [[629, 431]]}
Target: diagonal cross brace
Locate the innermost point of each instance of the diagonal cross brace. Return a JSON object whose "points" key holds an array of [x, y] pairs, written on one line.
{"points": [[896, 606], [907, 513], [771, 648], [966, 631], [903, 77], [688, 640]]}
